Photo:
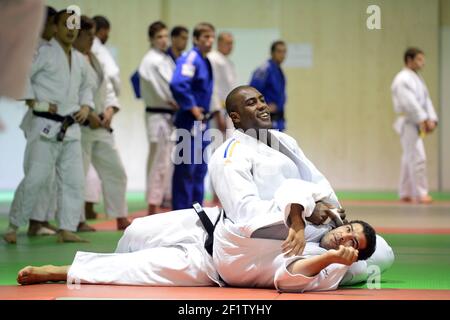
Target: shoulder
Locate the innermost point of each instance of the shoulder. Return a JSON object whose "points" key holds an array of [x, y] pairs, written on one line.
{"points": [[262, 70]]}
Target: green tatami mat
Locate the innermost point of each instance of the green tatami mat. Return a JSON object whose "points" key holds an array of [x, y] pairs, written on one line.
{"points": [[421, 262], [45, 250]]}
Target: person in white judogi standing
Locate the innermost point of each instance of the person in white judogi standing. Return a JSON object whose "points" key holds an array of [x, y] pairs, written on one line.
{"points": [[172, 249], [93, 187], [260, 176], [97, 139], [225, 77], [46, 207], [416, 118], [59, 81], [155, 72]]}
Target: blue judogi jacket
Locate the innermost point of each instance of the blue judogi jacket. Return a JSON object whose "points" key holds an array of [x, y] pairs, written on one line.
{"points": [[270, 81], [191, 85]]}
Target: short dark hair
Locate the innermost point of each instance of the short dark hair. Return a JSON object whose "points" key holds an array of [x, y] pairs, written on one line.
{"points": [[202, 28], [230, 101], [177, 30], [371, 240], [275, 44], [101, 23], [51, 12], [411, 53], [59, 14], [86, 23], [155, 27]]}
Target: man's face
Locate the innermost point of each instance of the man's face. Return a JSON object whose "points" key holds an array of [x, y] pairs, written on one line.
{"points": [[418, 62], [103, 35], [349, 235], [161, 40], [205, 41], [180, 42], [63, 34], [279, 54], [225, 45], [252, 110], [85, 40]]}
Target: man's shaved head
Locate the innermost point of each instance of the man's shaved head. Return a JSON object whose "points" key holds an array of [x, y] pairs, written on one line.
{"points": [[248, 109], [231, 102]]}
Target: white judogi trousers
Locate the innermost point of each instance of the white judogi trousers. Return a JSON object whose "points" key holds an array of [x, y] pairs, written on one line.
{"points": [[165, 249], [93, 186], [413, 169], [42, 157], [100, 150], [159, 164]]}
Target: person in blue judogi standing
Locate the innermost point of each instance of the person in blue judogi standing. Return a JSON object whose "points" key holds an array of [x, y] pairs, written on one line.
{"points": [[269, 79], [192, 87]]}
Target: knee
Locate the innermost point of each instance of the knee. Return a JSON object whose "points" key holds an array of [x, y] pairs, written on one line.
{"points": [[383, 256]]}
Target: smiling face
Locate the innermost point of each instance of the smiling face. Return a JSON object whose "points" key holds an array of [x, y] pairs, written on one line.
{"points": [[349, 235], [249, 110]]}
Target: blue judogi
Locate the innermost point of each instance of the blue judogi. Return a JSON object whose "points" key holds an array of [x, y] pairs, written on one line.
{"points": [[191, 85], [270, 81]]}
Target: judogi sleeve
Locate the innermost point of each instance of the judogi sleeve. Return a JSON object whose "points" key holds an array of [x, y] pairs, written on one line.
{"points": [[111, 97], [181, 84], [404, 96], [86, 94], [327, 279], [430, 110]]}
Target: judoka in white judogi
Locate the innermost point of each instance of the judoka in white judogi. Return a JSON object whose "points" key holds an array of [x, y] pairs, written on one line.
{"points": [[168, 250], [413, 104], [155, 71], [99, 148], [54, 81]]}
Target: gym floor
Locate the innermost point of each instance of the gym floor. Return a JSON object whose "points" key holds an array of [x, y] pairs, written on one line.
{"points": [[419, 235]]}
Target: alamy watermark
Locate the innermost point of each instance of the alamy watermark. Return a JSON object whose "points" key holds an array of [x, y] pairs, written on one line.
{"points": [[373, 22], [74, 20]]}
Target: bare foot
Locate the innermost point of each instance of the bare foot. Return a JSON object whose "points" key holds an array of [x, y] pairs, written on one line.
{"points": [[122, 223], [10, 237], [406, 199], [84, 227], [31, 275], [425, 200], [67, 236]]}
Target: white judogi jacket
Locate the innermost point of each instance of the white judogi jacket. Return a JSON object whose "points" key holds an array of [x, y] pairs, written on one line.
{"points": [[411, 99], [155, 71], [168, 250], [52, 80], [108, 63], [256, 184], [225, 78], [29, 114]]}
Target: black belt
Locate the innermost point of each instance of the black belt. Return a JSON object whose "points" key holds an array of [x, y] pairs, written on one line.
{"points": [[66, 121], [207, 224], [159, 110], [50, 116]]}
